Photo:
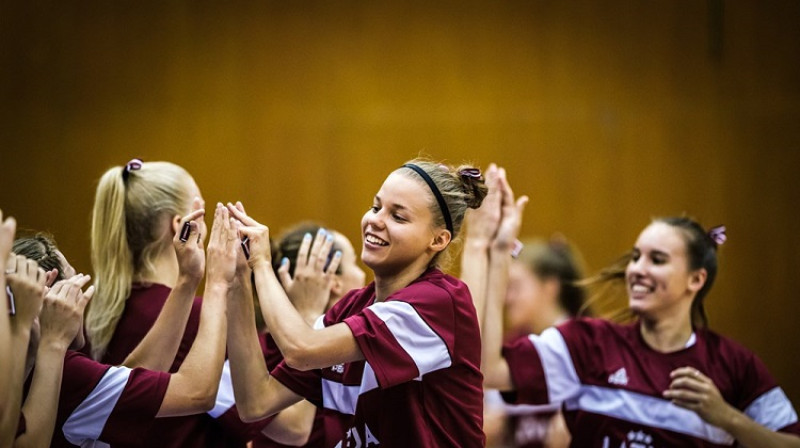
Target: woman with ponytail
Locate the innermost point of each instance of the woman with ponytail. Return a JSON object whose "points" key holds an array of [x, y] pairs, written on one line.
{"points": [[663, 379], [148, 262]]}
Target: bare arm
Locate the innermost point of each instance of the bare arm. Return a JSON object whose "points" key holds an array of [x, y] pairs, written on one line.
{"points": [[481, 228], [7, 230], [258, 395], [293, 425], [156, 351], [495, 368], [193, 388], [26, 280], [693, 390], [60, 320]]}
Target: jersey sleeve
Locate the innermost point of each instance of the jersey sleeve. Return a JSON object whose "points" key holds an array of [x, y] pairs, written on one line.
{"points": [[408, 336], [541, 369], [764, 401], [119, 407]]}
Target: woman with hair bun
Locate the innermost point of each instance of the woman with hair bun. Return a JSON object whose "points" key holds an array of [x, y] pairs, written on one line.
{"points": [[398, 360]]}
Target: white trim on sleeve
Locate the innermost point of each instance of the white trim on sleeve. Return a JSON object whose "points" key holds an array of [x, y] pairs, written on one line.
{"points": [[225, 399], [87, 421], [772, 409], [414, 335], [560, 375]]}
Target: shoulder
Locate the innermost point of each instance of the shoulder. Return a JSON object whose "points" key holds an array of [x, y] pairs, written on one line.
{"points": [[432, 285], [352, 303]]}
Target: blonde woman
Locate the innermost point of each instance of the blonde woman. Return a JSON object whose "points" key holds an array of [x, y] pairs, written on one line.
{"points": [[144, 252]]}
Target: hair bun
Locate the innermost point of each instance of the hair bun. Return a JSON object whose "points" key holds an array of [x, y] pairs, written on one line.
{"points": [[473, 185]]}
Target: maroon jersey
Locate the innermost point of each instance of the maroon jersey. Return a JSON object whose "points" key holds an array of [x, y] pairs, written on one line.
{"points": [[611, 382], [420, 384], [221, 427], [113, 405]]}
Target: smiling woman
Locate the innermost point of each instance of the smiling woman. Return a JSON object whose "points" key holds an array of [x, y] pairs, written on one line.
{"points": [[663, 380], [410, 338]]}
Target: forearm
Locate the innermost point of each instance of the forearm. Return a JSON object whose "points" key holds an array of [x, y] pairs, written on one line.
{"points": [[20, 337], [156, 351], [293, 425], [494, 366], [750, 434], [248, 369], [474, 272], [290, 330], [5, 351], [198, 376], [40, 406]]}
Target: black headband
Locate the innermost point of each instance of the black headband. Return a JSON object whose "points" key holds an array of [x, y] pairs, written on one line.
{"points": [[439, 198]]}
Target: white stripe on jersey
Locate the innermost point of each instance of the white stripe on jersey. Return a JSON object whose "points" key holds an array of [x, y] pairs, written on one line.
{"points": [[319, 323], [647, 411], [414, 335], [343, 398], [87, 421], [772, 409], [225, 398], [560, 375]]}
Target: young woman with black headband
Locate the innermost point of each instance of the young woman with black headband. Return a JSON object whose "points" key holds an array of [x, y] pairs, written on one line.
{"points": [[397, 361]]}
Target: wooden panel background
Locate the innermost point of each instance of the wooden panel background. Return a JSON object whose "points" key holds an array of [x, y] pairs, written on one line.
{"points": [[605, 113]]}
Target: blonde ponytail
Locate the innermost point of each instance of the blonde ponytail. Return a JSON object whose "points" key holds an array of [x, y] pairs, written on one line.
{"points": [[112, 261], [131, 210]]}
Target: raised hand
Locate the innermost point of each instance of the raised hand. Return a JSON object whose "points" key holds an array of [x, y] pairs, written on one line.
{"points": [[223, 247], [189, 241], [27, 282], [511, 214], [481, 223], [310, 288], [257, 236], [61, 318], [7, 230]]}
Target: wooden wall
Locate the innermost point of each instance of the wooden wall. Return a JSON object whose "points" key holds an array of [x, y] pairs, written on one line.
{"points": [[605, 113]]}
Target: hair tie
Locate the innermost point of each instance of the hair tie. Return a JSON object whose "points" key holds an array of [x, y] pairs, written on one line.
{"points": [[473, 173], [439, 198], [717, 234], [518, 246], [133, 165]]}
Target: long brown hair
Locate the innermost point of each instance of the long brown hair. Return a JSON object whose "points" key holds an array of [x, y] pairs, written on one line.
{"points": [[608, 285]]}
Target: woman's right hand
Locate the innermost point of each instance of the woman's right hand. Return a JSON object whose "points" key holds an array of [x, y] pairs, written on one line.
{"points": [[191, 253], [310, 289], [61, 318], [27, 282]]}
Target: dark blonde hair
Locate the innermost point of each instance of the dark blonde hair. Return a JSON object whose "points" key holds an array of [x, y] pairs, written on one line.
{"points": [[41, 248], [557, 259], [458, 190]]}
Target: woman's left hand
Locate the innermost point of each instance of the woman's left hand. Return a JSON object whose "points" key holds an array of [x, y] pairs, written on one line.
{"points": [[692, 390], [191, 253]]}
